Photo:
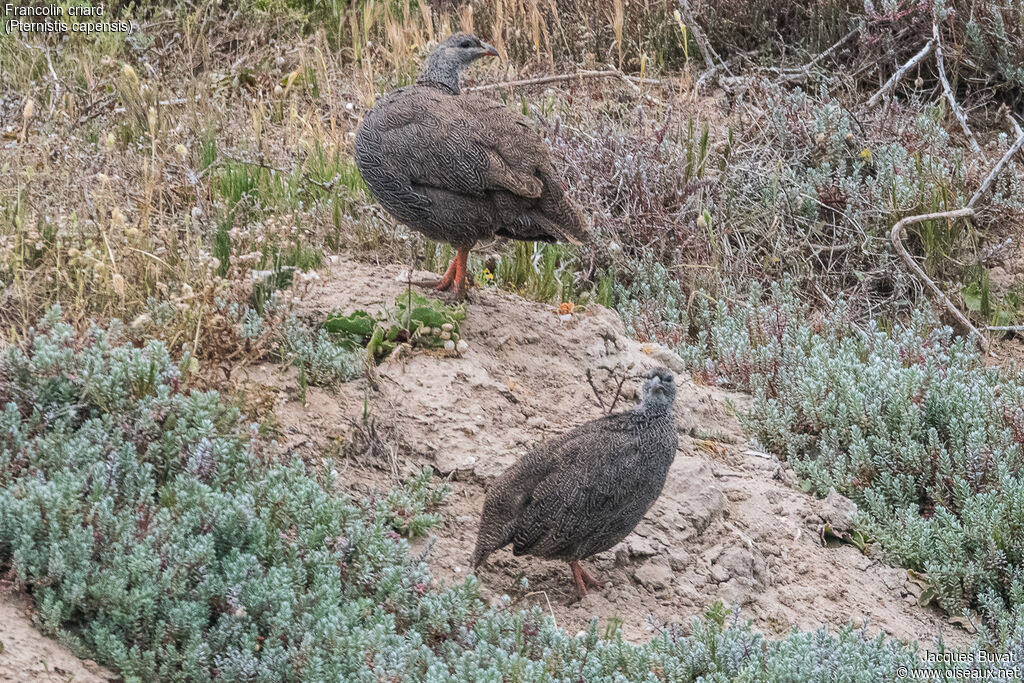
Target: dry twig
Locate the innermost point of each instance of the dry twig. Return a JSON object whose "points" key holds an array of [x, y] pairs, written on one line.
{"points": [[560, 78], [998, 168], [711, 58], [900, 73], [946, 88], [897, 241], [800, 73]]}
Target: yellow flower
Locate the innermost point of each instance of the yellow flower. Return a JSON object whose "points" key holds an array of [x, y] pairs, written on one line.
{"points": [[488, 275]]}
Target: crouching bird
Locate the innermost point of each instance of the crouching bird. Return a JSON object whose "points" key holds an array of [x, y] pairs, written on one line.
{"points": [[459, 167], [584, 491]]}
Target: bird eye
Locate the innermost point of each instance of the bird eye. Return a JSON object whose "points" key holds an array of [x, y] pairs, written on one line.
{"points": [[466, 43]]}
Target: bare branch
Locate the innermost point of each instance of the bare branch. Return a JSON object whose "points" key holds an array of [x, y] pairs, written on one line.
{"points": [[897, 241], [560, 78], [597, 394], [900, 73], [800, 73], [998, 168], [711, 58], [946, 88]]}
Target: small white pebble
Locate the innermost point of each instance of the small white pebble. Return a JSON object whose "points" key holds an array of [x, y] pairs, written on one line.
{"points": [[462, 346], [447, 327], [449, 345]]}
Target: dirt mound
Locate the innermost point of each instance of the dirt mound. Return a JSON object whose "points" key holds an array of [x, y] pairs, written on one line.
{"points": [[729, 525]]}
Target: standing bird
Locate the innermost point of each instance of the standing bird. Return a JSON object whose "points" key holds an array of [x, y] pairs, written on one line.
{"points": [[583, 492], [460, 168]]}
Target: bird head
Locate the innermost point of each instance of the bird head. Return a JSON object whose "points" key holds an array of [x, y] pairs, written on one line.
{"points": [[450, 57], [462, 49], [659, 390]]}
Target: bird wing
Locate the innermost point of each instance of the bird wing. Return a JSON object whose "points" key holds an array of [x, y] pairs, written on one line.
{"points": [[582, 488], [507, 497], [463, 144], [429, 145]]}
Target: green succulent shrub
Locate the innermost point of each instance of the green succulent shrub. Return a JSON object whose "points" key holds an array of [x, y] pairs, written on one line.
{"points": [[910, 423]]}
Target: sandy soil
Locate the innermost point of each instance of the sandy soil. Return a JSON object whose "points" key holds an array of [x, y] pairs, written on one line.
{"points": [[729, 526], [28, 656]]}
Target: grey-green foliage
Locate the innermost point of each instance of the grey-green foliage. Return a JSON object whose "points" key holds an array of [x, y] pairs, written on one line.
{"points": [[911, 424], [320, 359], [158, 534], [651, 302]]}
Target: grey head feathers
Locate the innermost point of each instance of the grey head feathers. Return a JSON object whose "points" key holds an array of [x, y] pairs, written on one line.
{"points": [[659, 391], [449, 58]]}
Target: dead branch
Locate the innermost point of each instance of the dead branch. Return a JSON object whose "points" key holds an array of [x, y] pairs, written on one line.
{"points": [[946, 88], [560, 78], [1013, 121], [796, 74], [711, 58], [618, 392], [618, 389], [897, 241], [597, 394], [900, 73], [998, 168]]}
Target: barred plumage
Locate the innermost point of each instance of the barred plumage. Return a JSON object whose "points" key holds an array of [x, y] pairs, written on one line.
{"points": [[460, 168], [583, 492]]}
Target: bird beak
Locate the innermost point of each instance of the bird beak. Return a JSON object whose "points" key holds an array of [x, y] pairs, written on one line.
{"points": [[488, 50]]}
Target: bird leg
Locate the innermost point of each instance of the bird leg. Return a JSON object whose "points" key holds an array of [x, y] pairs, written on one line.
{"points": [[448, 278], [456, 275], [590, 579], [583, 579]]}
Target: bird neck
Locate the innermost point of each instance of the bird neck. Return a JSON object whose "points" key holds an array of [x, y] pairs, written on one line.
{"points": [[651, 410], [441, 74]]}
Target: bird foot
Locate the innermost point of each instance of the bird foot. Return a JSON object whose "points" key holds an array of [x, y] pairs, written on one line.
{"points": [[457, 276], [590, 580], [582, 580]]}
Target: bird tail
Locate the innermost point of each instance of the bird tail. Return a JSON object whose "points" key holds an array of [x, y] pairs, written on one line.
{"points": [[558, 215], [480, 554]]}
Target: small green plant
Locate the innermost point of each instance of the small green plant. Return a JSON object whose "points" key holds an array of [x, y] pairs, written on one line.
{"points": [[411, 509], [319, 358], [539, 271], [996, 310], [416, 319]]}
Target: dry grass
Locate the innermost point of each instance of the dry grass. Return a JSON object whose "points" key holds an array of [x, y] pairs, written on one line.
{"points": [[202, 163]]}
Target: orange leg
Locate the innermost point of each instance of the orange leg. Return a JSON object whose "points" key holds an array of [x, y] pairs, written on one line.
{"points": [[590, 579], [583, 579], [448, 278], [577, 576], [456, 275]]}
